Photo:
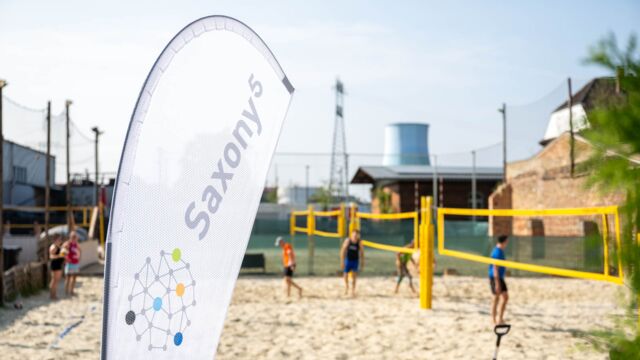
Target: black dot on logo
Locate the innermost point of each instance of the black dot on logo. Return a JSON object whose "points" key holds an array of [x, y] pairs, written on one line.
{"points": [[130, 318]]}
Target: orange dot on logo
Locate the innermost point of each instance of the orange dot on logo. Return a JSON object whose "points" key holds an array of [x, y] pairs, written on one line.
{"points": [[180, 289]]}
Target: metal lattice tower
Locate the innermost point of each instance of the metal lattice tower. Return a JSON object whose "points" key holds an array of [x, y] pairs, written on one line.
{"points": [[339, 176]]}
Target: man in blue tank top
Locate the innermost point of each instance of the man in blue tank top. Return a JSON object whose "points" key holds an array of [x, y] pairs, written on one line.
{"points": [[351, 260], [496, 280]]}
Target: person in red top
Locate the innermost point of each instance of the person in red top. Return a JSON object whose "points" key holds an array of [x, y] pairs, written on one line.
{"points": [[71, 249], [289, 263]]}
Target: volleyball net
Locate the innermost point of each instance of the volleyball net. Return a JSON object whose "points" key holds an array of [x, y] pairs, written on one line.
{"points": [[397, 232], [578, 243], [581, 243], [330, 223]]}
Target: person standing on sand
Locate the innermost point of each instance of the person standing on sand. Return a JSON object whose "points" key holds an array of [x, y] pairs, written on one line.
{"points": [[402, 260], [496, 280], [289, 262], [72, 266], [56, 263], [351, 260]]}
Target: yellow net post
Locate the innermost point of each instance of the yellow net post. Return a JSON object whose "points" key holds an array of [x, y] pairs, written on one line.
{"points": [[426, 253], [605, 237], [353, 223], [341, 222], [292, 224], [618, 242], [311, 227]]}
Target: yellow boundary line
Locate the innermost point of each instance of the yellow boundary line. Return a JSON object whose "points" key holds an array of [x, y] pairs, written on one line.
{"points": [[397, 216], [533, 268], [327, 213], [327, 234], [393, 248], [606, 210]]}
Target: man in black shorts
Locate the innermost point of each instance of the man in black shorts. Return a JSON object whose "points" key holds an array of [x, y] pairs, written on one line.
{"points": [[496, 280]]}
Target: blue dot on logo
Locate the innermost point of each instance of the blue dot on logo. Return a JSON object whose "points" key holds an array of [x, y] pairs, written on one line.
{"points": [[157, 304], [177, 339]]}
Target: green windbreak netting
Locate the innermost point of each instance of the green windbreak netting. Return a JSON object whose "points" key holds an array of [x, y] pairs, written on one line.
{"points": [[565, 242], [323, 257], [327, 223]]}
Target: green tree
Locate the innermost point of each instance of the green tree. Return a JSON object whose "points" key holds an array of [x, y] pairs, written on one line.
{"points": [[615, 133], [323, 197], [384, 200]]}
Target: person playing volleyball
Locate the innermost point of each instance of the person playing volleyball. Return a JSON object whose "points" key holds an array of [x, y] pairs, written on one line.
{"points": [[496, 280], [289, 263], [402, 260], [351, 260]]}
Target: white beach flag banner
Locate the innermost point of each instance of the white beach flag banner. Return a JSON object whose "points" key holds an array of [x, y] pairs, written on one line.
{"points": [[192, 171]]}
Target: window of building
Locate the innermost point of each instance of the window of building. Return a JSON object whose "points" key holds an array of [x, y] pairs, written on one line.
{"points": [[20, 174]]}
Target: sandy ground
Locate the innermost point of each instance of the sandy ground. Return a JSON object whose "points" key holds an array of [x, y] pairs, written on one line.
{"points": [[549, 318]]}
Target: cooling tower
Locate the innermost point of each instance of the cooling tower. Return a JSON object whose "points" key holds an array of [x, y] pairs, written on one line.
{"points": [[406, 144]]}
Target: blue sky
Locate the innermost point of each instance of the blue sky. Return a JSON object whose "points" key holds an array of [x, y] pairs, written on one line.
{"points": [[450, 64]]}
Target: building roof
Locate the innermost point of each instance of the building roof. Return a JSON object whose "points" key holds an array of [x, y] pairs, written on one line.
{"points": [[28, 148], [372, 174], [597, 92]]}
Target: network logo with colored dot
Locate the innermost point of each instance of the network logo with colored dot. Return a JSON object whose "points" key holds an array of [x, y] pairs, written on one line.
{"points": [[160, 300]]}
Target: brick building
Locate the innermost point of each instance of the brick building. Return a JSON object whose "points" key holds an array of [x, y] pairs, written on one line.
{"points": [[545, 181], [405, 184]]}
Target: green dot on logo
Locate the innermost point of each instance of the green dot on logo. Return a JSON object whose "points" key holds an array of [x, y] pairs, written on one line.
{"points": [[176, 254]]}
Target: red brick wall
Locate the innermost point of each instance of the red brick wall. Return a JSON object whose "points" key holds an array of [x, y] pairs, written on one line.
{"points": [[545, 182]]}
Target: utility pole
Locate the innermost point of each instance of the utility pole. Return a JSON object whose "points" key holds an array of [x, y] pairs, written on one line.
{"points": [[47, 186], [67, 104], [97, 132], [306, 184], [474, 193], [434, 181], [503, 110], [416, 196], [572, 140], [2, 85]]}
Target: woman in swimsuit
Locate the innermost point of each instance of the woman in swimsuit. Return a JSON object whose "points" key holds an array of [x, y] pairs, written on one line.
{"points": [[56, 262]]}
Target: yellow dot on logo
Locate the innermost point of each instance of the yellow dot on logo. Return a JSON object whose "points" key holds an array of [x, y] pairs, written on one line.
{"points": [[176, 255], [180, 289]]}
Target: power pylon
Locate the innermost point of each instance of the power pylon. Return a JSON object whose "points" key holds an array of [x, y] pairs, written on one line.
{"points": [[339, 176]]}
